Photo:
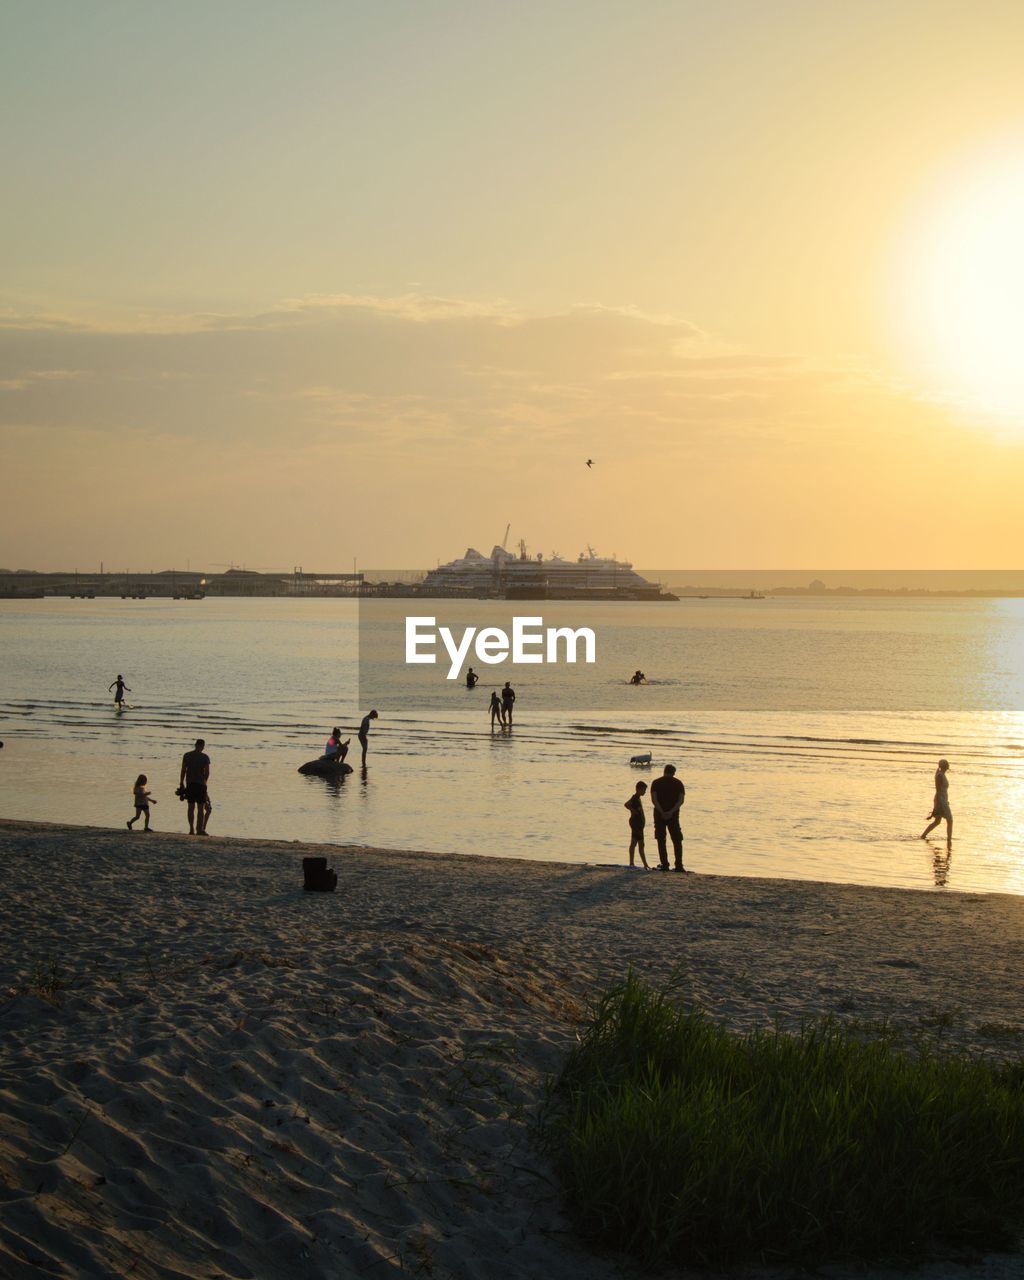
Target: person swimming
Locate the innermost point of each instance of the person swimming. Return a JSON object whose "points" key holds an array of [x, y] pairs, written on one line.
{"points": [[638, 677]]}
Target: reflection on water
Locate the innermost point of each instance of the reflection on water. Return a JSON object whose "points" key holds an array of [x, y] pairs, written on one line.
{"points": [[807, 733], [942, 859]]}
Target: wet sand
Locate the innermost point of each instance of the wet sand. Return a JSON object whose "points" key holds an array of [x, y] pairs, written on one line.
{"points": [[205, 1071]]}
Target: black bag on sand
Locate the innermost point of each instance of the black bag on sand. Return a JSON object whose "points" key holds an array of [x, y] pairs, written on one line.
{"points": [[318, 876]]}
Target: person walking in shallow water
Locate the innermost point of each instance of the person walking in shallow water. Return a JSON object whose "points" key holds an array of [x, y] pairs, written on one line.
{"points": [[495, 709], [119, 688], [508, 698], [940, 807]]}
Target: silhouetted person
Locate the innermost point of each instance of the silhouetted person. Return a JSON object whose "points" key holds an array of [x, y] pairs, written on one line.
{"points": [[119, 688], [471, 679], [508, 697], [335, 749], [638, 677], [667, 796], [637, 822], [940, 807], [142, 800], [195, 774], [364, 732], [495, 709]]}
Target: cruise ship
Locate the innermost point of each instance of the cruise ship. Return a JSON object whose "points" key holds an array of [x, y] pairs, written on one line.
{"points": [[503, 575]]}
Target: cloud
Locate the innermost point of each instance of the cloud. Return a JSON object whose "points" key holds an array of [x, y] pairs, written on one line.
{"points": [[415, 307], [420, 371], [301, 367], [438, 407], [42, 375]]}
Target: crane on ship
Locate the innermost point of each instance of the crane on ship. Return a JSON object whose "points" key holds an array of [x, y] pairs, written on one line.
{"points": [[497, 562]]}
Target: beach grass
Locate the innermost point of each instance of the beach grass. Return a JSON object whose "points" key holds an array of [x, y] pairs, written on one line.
{"points": [[681, 1142]]}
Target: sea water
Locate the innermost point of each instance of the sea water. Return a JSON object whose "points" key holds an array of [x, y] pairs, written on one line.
{"points": [[806, 730]]}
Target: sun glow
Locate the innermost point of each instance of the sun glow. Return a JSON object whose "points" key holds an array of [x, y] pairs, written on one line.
{"points": [[962, 289]]}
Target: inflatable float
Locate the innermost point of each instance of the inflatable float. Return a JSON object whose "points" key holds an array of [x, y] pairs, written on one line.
{"points": [[326, 768]]}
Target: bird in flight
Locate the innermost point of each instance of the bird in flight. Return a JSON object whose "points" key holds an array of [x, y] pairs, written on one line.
{"points": [[590, 462]]}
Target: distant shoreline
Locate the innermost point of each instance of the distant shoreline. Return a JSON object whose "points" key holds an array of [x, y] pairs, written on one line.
{"points": [[188, 585]]}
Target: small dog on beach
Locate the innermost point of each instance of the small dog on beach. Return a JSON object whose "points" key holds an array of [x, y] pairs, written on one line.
{"points": [[646, 758]]}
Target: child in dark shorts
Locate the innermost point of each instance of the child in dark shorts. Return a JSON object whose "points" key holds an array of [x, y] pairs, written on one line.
{"points": [[142, 800], [636, 824]]}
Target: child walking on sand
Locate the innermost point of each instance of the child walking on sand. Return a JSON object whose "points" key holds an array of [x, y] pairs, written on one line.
{"points": [[142, 802], [635, 805]]}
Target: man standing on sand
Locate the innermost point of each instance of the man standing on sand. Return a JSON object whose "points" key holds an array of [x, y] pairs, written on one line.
{"points": [[940, 806], [667, 796], [195, 773], [508, 697], [364, 732]]}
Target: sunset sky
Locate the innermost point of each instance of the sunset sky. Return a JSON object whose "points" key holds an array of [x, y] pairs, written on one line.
{"points": [[301, 283]]}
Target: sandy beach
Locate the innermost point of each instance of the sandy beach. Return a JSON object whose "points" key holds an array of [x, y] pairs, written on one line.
{"points": [[206, 1072]]}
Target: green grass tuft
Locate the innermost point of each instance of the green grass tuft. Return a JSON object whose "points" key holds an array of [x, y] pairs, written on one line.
{"points": [[681, 1142], [48, 982]]}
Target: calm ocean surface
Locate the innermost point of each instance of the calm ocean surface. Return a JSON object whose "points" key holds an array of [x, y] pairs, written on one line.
{"points": [[806, 730]]}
